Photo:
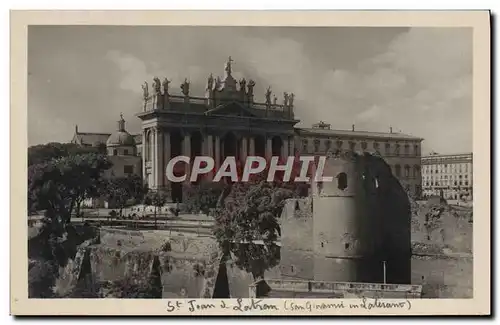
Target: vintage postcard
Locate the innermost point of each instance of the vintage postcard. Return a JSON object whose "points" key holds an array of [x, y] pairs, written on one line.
{"points": [[250, 163]]}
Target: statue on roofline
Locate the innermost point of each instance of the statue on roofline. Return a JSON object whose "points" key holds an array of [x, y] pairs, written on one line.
{"points": [[145, 90], [275, 101], [243, 83], [228, 66], [250, 86], [166, 82], [268, 95], [157, 85], [218, 82], [286, 96], [185, 87], [290, 99], [210, 82]]}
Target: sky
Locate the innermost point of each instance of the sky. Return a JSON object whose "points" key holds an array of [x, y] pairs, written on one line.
{"points": [[415, 80]]}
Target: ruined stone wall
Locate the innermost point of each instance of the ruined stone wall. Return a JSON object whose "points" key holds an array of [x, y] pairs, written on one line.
{"points": [[443, 276], [186, 266], [448, 227], [297, 256], [442, 249], [239, 281], [442, 263]]}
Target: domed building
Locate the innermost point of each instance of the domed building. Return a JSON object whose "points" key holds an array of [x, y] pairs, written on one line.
{"points": [[121, 143], [122, 151]]}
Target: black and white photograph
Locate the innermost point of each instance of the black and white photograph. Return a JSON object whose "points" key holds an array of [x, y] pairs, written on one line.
{"points": [[251, 163]]}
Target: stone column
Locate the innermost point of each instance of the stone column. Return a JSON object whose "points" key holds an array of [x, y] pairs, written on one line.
{"points": [[269, 148], [244, 150], [166, 157], [252, 147], [210, 151], [143, 156], [154, 164], [210, 145], [284, 149], [187, 152], [217, 152], [159, 159], [292, 146]]}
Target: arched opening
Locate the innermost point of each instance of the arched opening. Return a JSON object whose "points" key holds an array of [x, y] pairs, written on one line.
{"points": [[175, 143], [342, 181], [407, 171], [230, 145], [416, 171], [221, 289], [196, 144], [260, 146], [196, 147], [276, 144]]}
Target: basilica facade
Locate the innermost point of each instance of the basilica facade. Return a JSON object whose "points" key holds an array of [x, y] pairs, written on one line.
{"points": [[227, 120]]}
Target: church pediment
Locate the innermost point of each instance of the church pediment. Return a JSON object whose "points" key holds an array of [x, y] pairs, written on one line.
{"points": [[231, 109]]}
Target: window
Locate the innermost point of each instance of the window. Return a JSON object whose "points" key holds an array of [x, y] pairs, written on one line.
{"points": [[352, 145], [316, 145], [376, 146], [364, 145], [115, 152], [407, 171], [125, 152], [339, 144], [328, 144], [398, 170], [128, 169], [304, 145], [466, 183], [396, 149], [416, 171], [417, 150], [342, 181], [407, 149], [387, 148]]}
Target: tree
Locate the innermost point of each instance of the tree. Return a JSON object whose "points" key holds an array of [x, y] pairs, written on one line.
{"points": [[250, 213], [120, 190], [45, 152], [158, 200], [61, 184]]}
